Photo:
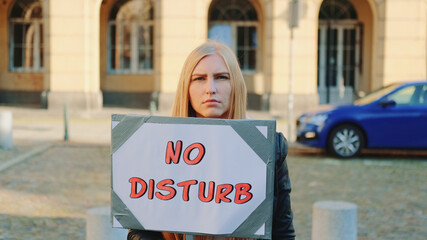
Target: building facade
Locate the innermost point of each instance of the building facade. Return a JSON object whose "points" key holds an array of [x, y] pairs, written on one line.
{"points": [[94, 53]]}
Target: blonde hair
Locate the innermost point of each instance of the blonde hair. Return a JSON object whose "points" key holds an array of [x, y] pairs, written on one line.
{"points": [[237, 109]]}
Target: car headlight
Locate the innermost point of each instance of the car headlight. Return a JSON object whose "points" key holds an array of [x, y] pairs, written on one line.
{"points": [[317, 119]]}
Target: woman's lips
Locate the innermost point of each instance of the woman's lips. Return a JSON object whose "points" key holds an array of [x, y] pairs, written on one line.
{"points": [[211, 102]]}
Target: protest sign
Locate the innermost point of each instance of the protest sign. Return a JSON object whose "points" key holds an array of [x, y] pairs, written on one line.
{"points": [[193, 175]]}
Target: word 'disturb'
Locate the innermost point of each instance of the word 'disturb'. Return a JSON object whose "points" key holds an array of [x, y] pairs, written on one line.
{"points": [[167, 189]]}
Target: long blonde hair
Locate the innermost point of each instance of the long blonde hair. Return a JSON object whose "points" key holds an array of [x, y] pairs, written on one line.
{"points": [[182, 106], [237, 109]]}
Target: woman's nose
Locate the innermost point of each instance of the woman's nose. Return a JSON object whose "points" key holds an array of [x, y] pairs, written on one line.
{"points": [[210, 85]]}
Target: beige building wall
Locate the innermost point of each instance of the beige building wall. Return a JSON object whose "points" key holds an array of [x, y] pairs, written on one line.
{"points": [[394, 48], [404, 54], [73, 64], [183, 26], [365, 11], [293, 60]]}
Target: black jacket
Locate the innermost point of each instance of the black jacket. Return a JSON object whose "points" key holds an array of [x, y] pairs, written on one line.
{"points": [[282, 213], [283, 228]]}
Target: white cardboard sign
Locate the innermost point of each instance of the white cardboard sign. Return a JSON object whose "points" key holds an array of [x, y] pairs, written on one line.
{"points": [[196, 176]]}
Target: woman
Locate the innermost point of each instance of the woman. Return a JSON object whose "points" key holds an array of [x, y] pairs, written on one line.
{"points": [[211, 85]]}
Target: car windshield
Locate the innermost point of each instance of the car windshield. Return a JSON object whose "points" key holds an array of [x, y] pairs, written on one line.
{"points": [[373, 96]]}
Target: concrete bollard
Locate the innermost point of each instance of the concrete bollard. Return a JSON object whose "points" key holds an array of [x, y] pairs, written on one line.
{"points": [[98, 225], [6, 139], [334, 220]]}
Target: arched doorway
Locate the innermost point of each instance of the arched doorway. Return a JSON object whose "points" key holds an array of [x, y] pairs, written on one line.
{"points": [[236, 24], [339, 47], [127, 52]]}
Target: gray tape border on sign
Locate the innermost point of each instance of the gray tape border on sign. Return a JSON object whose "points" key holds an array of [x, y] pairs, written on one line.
{"points": [[125, 129], [255, 139], [264, 147], [119, 135], [122, 214]]}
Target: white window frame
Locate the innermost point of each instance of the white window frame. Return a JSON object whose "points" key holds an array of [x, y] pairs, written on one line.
{"points": [[35, 47], [134, 59], [340, 92], [135, 19]]}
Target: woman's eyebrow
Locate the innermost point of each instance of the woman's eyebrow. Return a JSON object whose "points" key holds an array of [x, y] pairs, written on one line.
{"points": [[215, 74], [221, 73]]}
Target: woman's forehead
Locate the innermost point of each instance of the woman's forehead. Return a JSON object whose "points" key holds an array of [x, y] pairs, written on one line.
{"points": [[211, 63]]}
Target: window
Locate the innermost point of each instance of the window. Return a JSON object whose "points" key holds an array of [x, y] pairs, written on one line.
{"points": [[423, 96], [403, 96], [337, 10], [130, 37], [235, 23], [26, 36]]}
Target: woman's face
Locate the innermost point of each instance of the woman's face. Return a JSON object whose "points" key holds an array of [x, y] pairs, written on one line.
{"points": [[210, 88]]}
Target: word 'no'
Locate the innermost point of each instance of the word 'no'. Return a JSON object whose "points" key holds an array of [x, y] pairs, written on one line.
{"points": [[173, 154]]}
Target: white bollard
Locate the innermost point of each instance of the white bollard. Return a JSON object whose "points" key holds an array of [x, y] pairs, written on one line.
{"points": [[98, 225], [334, 220], [6, 140]]}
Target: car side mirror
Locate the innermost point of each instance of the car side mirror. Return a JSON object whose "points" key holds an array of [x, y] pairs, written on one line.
{"points": [[388, 103]]}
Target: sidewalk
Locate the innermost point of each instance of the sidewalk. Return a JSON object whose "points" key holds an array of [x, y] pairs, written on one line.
{"points": [[34, 130], [84, 126]]}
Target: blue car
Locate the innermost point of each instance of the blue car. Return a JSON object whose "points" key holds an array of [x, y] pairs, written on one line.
{"points": [[394, 116]]}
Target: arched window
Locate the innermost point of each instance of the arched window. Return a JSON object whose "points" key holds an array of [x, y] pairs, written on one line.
{"points": [[26, 36], [235, 22], [130, 37], [337, 10], [339, 51]]}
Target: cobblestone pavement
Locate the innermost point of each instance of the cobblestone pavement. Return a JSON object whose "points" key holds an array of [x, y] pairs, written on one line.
{"points": [[390, 191], [47, 195]]}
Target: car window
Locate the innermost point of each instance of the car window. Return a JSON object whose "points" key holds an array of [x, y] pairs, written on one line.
{"points": [[403, 96], [423, 96], [410, 96], [373, 96]]}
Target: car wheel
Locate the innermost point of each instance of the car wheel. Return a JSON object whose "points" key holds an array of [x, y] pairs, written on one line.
{"points": [[345, 141]]}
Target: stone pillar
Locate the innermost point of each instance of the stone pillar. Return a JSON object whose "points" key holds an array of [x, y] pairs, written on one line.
{"points": [[334, 220], [178, 34], [73, 54]]}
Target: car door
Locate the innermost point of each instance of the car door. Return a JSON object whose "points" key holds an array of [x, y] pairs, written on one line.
{"points": [[401, 120]]}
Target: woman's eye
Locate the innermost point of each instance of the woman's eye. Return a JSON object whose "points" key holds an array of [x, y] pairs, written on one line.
{"points": [[224, 77], [198, 78]]}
